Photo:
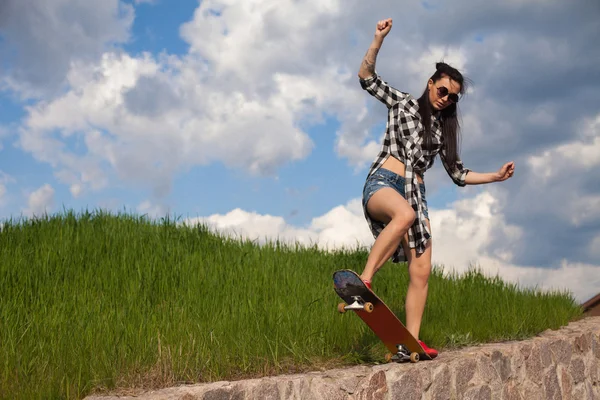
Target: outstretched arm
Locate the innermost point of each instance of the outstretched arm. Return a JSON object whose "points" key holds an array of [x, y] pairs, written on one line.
{"points": [[505, 172], [463, 176]]}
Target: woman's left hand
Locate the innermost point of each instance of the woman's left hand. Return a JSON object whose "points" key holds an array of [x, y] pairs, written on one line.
{"points": [[507, 171]]}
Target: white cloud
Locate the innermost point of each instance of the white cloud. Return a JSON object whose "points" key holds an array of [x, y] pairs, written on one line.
{"points": [[585, 208], [583, 280], [343, 226], [40, 201], [152, 210], [253, 38], [471, 225], [582, 153], [454, 56], [250, 225], [43, 39], [574, 163], [148, 148], [474, 232], [543, 115]]}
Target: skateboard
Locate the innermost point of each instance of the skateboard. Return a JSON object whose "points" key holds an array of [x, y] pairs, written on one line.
{"points": [[382, 321]]}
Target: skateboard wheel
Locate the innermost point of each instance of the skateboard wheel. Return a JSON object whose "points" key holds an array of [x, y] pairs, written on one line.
{"points": [[369, 307], [388, 357], [414, 357], [341, 308]]}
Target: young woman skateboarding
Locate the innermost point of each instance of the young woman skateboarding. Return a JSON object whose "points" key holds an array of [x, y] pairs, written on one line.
{"points": [[394, 193]]}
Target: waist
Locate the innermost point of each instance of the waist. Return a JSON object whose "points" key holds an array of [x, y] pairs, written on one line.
{"points": [[398, 167]]}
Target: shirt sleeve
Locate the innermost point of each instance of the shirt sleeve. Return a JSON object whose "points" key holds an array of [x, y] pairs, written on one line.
{"points": [[457, 172], [382, 91]]}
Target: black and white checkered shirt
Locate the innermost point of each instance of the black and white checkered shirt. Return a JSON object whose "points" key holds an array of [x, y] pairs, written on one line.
{"points": [[403, 141]]}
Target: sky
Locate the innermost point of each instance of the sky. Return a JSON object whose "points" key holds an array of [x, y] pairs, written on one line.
{"points": [[248, 116]]}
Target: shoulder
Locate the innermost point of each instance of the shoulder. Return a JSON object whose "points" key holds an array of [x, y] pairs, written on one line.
{"points": [[409, 105]]}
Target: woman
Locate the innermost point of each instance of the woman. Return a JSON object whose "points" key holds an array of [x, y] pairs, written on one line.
{"points": [[394, 193]]}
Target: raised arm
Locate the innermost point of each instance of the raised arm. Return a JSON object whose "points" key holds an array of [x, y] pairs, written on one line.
{"points": [[367, 66], [369, 80]]}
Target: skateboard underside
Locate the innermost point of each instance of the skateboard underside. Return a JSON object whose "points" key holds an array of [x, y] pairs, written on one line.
{"points": [[378, 317]]}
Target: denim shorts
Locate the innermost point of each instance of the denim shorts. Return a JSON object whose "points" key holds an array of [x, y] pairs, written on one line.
{"points": [[385, 178]]}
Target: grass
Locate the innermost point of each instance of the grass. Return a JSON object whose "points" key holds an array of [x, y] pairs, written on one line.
{"points": [[94, 302]]}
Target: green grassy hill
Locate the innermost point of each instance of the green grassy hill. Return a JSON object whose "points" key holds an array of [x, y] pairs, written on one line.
{"points": [[96, 301]]}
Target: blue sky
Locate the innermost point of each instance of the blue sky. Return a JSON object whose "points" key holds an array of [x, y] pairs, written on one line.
{"points": [[156, 27], [248, 116]]}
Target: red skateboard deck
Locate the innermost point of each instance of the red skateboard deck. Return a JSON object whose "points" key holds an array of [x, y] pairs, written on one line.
{"points": [[382, 321]]}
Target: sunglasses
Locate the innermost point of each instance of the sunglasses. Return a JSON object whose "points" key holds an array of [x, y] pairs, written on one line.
{"points": [[442, 92]]}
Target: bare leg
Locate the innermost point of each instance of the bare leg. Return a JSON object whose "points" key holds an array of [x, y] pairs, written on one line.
{"points": [[419, 269], [389, 207]]}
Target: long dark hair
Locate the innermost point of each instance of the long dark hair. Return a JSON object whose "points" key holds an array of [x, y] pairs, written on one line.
{"points": [[449, 115]]}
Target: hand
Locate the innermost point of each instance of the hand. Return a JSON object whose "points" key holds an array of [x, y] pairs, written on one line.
{"points": [[383, 28], [507, 171]]}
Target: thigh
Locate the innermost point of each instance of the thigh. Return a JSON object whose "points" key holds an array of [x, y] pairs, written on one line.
{"points": [[386, 204]]}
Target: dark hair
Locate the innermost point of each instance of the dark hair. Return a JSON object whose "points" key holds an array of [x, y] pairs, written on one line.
{"points": [[449, 115]]}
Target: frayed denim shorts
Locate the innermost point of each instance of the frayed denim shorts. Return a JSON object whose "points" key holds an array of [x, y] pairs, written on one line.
{"points": [[385, 178]]}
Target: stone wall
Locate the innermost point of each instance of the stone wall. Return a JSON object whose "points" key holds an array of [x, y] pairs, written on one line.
{"points": [[561, 364]]}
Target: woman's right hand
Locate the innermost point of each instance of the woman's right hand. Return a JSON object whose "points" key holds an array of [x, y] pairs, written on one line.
{"points": [[383, 28]]}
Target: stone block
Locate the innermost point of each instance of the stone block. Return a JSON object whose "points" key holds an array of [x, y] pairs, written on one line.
{"points": [[441, 384], [533, 365], [511, 392], [562, 351], [376, 389], [464, 371], [266, 390], [579, 392], [408, 387], [582, 343], [551, 385], [589, 392], [502, 363], [218, 394], [487, 371], [566, 383], [594, 373], [545, 353], [533, 392], [483, 392], [577, 370]]}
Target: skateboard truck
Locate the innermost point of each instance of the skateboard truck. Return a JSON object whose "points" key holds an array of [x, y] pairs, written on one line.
{"points": [[402, 355], [358, 305]]}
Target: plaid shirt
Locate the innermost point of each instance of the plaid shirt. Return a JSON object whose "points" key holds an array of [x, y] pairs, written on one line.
{"points": [[403, 141]]}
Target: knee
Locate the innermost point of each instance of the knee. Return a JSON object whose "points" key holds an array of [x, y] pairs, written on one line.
{"points": [[419, 273], [403, 221], [409, 218]]}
